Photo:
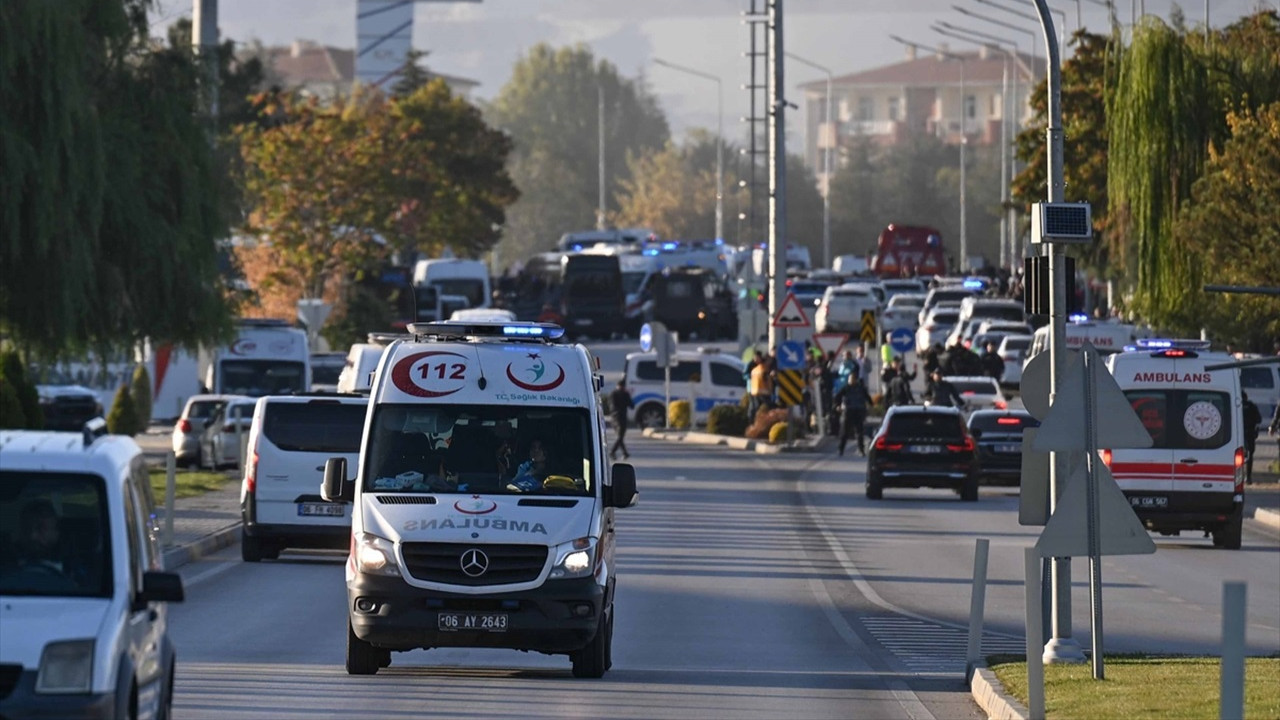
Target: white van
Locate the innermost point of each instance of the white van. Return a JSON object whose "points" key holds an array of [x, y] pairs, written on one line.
{"points": [[483, 500], [289, 441], [1192, 478], [705, 377], [456, 277], [362, 361], [1262, 384], [1107, 337], [83, 616], [267, 357]]}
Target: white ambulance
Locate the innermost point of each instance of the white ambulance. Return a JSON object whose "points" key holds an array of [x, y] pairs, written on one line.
{"points": [[1192, 478], [268, 357], [483, 499]]}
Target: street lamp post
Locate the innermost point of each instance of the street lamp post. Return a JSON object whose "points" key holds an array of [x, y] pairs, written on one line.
{"points": [[1024, 16], [719, 137], [964, 141], [827, 163]]}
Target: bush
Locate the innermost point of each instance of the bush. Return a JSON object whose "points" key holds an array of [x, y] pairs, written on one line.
{"points": [[727, 420], [28, 397], [11, 415], [123, 418], [765, 419], [679, 416], [778, 433], [141, 390]]}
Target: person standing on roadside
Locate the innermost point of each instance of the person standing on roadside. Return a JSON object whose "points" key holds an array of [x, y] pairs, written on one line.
{"points": [[1252, 421], [619, 403], [854, 399]]}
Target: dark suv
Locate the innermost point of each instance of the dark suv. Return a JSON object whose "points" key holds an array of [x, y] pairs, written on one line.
{"points": [[920, 446]]}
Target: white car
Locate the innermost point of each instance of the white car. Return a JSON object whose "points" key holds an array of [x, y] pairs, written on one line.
{"points": [[1012, 350], [220, 441], [903, 310], [979, 392], [841, 308], [937, 323], [191, 423]]}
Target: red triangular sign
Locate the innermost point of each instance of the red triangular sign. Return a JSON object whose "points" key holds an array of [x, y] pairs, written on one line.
{"points": [[830, 343], [791, 314]]}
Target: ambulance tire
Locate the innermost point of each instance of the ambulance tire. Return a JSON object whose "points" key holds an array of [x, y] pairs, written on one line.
{"points": [[362, 658], [593, 660], [1228, 535], [969, 490], [651, 415]]}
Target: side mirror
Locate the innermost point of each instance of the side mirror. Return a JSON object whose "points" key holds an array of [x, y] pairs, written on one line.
{"points": [[622, 493], [336, 487], [161, 587]]}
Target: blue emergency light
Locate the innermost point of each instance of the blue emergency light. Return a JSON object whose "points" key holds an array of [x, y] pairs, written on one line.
{"points": [[1078, 317], [974, 284]]}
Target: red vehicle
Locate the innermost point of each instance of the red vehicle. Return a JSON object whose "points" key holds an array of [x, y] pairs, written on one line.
{"points": [[908, 251]]}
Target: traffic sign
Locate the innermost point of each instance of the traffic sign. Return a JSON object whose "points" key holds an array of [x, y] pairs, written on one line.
{"points": [[1115, 422], [791, 355], [790, 314], [1120, 532], [902, 340], [646, 338], [790, 387], [830, 343], [868, 333]]}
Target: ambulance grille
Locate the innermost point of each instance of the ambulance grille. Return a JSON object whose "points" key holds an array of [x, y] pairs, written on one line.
{"points": [[406, 499], [442, 563]]}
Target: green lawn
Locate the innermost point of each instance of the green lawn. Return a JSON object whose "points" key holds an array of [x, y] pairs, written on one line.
{"points": [[188, 483], [1169, 688]]}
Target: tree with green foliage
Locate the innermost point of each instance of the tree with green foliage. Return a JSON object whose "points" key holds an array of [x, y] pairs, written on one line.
{"points": [[550, 106], [11, 415], [26, 411], [1230, 230], [140, 389], [123, 418], [413, 76]]}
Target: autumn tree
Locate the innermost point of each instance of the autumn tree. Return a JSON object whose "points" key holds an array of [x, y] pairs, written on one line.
{"points": [[550, 106], [673, 190]]}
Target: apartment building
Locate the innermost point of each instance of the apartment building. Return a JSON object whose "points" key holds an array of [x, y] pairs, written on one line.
{"points": [[324, 71]]}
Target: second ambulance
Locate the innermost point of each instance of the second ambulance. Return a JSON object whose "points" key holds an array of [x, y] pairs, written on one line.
{"points": [[483, 500], [1192, 477]]}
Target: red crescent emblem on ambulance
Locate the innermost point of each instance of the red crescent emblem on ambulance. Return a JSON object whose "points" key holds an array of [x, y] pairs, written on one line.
{"points": [[537, 388], [402, 375]]}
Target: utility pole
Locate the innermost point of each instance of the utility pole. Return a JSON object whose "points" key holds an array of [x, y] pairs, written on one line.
{"points": [[601, 224], [777, 168], [204, 42]]}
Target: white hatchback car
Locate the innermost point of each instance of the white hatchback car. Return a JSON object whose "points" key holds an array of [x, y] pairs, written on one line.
{"points": [[220, 441], [83, 620], [979, 392]]}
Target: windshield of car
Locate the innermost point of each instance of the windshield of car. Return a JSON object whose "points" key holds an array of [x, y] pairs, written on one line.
{"points": [[631, 282], [256, 378], [1017, 343], [204, 409], [473, 449], [55, 538], [912, 301], [325, 374]]}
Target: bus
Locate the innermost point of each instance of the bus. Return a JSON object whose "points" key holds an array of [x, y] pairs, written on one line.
{"points": [[908, 251]]}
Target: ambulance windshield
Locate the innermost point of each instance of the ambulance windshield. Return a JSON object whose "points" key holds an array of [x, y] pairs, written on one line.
{"points": [[483, 449]]}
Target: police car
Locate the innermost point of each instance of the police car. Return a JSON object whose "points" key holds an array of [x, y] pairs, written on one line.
{"points": [[1192, 478], [483, 499]]}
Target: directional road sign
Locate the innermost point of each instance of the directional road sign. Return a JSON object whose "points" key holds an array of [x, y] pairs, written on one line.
{"points": [[1063, 426], [646, 338], [791, 355], [1120, 532], [790, 314], [902, 340], [868, 333]]}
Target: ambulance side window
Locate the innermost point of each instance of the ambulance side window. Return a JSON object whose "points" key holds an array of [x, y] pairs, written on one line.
{"points": [[1152, 409]]}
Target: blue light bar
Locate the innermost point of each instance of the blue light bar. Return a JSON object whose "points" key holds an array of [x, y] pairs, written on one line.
{"points": [[670, 245], [651, 252], [1166, 343], [523, 330], [974, 284], [1078, 317], [1154, 343]]}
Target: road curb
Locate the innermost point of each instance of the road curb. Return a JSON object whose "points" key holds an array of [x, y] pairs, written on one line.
{"points": [[1270, 518], [737, 443], [177, 556], [991, 697]]}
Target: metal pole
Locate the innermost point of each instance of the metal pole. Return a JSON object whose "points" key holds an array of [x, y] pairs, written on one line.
{"points": [[1062, 647], [1091, 503], [977, 603], [170, 491], [600, 210], [719, 160], [1233, 621], [777, 168], [1035, 633], [964, 141], [826, 191], [1006, 232], [204, 41]]}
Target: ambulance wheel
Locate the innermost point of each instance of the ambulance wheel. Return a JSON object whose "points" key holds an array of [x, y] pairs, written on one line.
{"points": [[874, 491], [593, 660], [969, 491], [651, 415], [362, 658], [1228, 535], [250, 547]]}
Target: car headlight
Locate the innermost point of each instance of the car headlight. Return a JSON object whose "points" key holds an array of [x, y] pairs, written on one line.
{"points": [[575, 559], [66, 667], [375, 555]]}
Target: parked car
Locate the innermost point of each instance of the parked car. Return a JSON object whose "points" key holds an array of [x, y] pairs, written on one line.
{"points": [[935, 326], [68, 407], [998, 436], [706, 378], [291, 439], [898, 286], [191, 424], [1013, 349], [980, 392], [921, 446], [220, 441], [903, 310], [83, 599]]}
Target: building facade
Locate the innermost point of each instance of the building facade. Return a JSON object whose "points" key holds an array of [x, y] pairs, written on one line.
{"points": [[325, 72]]}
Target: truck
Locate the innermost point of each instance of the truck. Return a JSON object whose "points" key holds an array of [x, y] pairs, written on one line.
{"points": [[268, 357], [909, 251]]}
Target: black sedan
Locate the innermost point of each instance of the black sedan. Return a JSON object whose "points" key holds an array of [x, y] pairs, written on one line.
{"points": [[919, 446], [998, 434]]}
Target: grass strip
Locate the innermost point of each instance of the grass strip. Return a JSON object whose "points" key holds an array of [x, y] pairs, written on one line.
{"points": [[1144, 686], [188, 483]]}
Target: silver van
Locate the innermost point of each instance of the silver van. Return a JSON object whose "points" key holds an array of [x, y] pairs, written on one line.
{"points": [[289, 442]]}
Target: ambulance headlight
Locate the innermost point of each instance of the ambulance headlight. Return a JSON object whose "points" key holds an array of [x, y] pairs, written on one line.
{"points": [[375, 555], [66, 668], [575, 559]]}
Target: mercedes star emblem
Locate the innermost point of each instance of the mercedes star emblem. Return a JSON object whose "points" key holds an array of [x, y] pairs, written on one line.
{"points": [[474, 563]]}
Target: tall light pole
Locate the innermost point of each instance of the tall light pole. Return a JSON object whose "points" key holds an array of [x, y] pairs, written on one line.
{"points": [[1030, 33], [1006, 230], [719, 137], [964, 141], [601, 215], [1024, 16], [827, 163]]}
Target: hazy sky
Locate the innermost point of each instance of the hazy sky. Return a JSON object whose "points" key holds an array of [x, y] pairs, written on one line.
{"points": [[483, 40]]}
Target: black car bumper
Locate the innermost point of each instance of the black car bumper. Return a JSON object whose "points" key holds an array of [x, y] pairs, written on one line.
{"points": [[559, 617], [1184, 510]]}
